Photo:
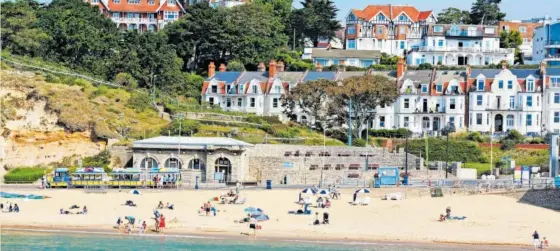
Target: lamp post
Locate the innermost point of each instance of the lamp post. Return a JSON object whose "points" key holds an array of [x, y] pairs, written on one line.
{"points": [[448, 129]]}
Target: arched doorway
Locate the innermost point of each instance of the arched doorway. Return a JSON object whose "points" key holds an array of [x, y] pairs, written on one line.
{"points": [[173, 163], [304, 120], [223, 165], [149, 162], [499, 123], [197, 164]]}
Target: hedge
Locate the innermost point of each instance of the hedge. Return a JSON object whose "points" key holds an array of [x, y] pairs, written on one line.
{"points": [[390, 133], [24, 174], [458, 150]]}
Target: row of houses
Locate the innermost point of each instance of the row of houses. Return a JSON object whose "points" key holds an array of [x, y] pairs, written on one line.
{"points": [[484, 100]]}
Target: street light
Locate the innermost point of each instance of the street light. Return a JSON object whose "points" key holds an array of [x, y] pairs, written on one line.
{"points": [[447, 130]]}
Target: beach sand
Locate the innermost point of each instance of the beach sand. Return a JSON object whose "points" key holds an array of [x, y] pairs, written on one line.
{"points": [[491, 219]]}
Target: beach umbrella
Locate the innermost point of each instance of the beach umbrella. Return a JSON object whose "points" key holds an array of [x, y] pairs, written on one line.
{"points": [[136, 192], [324, 192], [363, 190], [308, 191], [253, 210], [262, 217]]}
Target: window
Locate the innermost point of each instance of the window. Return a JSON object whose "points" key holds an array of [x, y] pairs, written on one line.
{"points": [[510, 120], [379, 30], [240, 88], [152, 2], [402, 30], [94, 1], [426, 123], [211, 101], [406, 122], [403, 18], [438, 28], [252, 102], [171, 15], [556, 117], [489, 30], [254, 89], [530, 85], [529, 120], [381, 17], [440, 43], [510, 84], [351, 44], [452, 120], [555, 81], [452, 103], [439, 88], [275, 103], [487, 119], [116, 1], [134, 1], [424, 88], [538, 101], [479, 100], [228, 102], [522, 29], [440, 60], [557, 98], [480, 86], [278, 89], [479, 118], [239, 102], [406, 103], [381, 121], [501, 84], [511, 102], [351, 30], [116, 15], [170, 2], [402, 45], [529, 101], [214, 89]]}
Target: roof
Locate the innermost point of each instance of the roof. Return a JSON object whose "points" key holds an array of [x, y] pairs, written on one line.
{"points": [[314, 75], [164, 142], [225, 76], [520, 73], [553, 71], [142, 6], [333, 53], [422, 76], [290, 76], [348, 74], [392, 11], [261, 76]]}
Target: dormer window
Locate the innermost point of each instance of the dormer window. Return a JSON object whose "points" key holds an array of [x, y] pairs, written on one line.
{"points": [[530, 85], [480, 85], [254, 89], [438, 28], [380, 17], [439, 88], [278, 89], [240, 88], [424, 88], [170, 2], [214, 89], [403, 18]]}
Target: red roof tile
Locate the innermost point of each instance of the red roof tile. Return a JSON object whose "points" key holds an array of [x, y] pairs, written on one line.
{"points": [[392, 12]]}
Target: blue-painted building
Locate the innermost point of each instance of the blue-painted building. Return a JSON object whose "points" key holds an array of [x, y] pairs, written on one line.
{"points": [[546, 44]]}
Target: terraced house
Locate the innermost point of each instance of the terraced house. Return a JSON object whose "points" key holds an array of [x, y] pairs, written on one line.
{"points": [[140, 15]]}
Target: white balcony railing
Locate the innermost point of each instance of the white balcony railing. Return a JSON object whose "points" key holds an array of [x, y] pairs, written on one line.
{"points": [[127, 20], [465, 49]]}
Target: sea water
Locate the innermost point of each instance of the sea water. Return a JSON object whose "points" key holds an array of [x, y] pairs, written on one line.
{"points": [[22, 241]]}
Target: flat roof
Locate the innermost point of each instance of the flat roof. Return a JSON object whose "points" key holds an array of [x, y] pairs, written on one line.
{"points": [[165, 142]]}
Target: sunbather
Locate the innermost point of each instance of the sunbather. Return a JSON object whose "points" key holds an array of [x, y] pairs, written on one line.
{"points": [[129, 203], [74, 207], [160, 205], [62, 211], [169, 206], [16, 208]]}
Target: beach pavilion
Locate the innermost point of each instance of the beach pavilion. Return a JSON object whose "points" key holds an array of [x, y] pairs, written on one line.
{"points": [[208, 158]]}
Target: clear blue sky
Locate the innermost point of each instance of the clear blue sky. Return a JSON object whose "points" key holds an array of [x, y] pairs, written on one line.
{"points": [[515, 9]]}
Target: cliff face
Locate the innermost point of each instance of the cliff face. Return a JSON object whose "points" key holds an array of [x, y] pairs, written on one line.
{"points": [[30, 131]]}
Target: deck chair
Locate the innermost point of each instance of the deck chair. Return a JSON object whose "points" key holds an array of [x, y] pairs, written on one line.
{"points": [[365, 201]]}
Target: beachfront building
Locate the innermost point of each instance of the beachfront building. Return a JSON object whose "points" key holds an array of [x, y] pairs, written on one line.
{"points": [[506, 99], [328, 57], [546, 44], [460, 45], [194, 156], [219, 3], [392, 29], [526, 29], [551, 109], [140, 15]]}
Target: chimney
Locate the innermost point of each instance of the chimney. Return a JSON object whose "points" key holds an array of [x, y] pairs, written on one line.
{"points": [[469, 71], [401, 67], [280, 66], [318, 67], [222, 67], [211, 69], [542, 67], [504, 65], [272, 69], [261, 67]]}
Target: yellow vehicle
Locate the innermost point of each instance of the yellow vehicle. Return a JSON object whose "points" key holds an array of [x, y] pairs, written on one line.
{"points": [[126, 177], [89, 176]]}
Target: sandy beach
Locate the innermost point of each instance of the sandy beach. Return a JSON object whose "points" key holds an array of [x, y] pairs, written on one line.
{"points": [[491, 219]]}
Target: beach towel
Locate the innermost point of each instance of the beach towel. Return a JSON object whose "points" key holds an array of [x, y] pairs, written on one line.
{"points": [[458, 217]]}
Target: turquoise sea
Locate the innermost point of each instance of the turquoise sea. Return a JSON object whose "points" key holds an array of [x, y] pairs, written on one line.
{"points": [[21, 241]]}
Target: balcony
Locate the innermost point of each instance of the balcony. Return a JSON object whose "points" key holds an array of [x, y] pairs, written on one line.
{"points": [[552, 45], [459, 33], [464, 49], [127, 20]]}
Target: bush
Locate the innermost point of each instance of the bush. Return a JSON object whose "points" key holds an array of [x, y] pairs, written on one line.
{"points": [[390, 133], [260, 119], [515, 136], [536, 141], [187, 126], [459, 150], [475, 136], [508, 145], [359, 142], [235, 65], [139, 101], [24, 174], [126, 80], [425, 66], [102, 159]]}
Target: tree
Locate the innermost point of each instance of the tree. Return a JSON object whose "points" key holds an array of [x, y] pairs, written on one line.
{"points": [[308, 98], [126, 80], [19, 32], [486, 12], [316, 20], [235, 65], [387, 59], [361, 95], [193, 86], [512, 39], [454, 16]]}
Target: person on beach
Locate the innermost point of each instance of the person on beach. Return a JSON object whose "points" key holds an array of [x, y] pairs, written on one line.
{"points": [[119, 222], [157, 223], [237, 187], [144, 226], [160, 205], [536, 240], [16, 208], [169, 206], [207, 208], [544, 243], [448, 213], [84, 210], [161, 223], [253, 225], [11, 208]]}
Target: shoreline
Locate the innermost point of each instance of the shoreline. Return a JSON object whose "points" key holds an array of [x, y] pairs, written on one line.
{"points": [[274, 237]]}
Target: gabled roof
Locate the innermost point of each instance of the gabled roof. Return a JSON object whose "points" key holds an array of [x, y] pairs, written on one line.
{"points": [[261, 76], [143, 6], [391, 12], [520, 73]]}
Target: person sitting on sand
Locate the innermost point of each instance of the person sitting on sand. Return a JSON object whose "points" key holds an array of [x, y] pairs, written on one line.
{"points": [[84, 210], [327, 203], [316, 222], [16, 208], [129, 203], [448, 213], [325, 218], [169, 206], [230, 193], [74, 207], [10, 208], [160, 205], [207, 207], [62, 211], [319, 202]]}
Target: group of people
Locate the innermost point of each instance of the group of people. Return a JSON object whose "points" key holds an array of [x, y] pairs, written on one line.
{"points": [[11, 208], [83, 211], [323, 203], [168, 206], [159, 219], [207, 208], [165, 179], [447, 216], [538, 243]]}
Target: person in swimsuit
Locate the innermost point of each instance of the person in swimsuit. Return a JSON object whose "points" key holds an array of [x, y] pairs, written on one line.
{"points": [[253, 225], [161, 223]]}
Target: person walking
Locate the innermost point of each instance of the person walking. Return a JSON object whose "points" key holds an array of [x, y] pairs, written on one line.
{"points": [[536, 240]]}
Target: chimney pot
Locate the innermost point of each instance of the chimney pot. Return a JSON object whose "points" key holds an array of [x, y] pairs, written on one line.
{"points": [[261, 67], [318, 67], [272, 69], [280, 66], [222, 67], [401, 67], [211, 69], [504, 65]]}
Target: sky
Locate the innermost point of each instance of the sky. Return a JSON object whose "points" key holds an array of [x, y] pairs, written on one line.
{"points": [[515, 9]]}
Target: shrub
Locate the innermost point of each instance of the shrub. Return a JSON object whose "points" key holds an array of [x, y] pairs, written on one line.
{"points": [[515, 136], [508, 145], [235, 65], [359, 142], [139, 101], [186, 125], [425, 66], [390, 133], [126, 80], [24, 174], [475, 136], [459, 150], [102, 159], [536, 141]]}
